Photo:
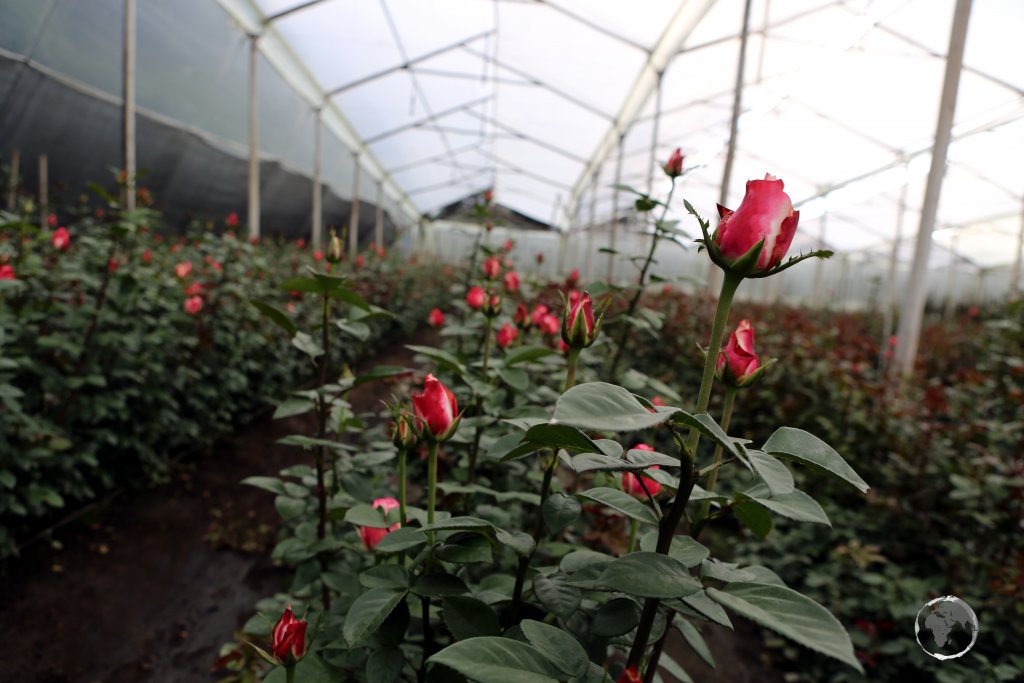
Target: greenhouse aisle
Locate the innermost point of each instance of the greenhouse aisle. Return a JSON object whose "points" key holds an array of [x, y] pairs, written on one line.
{"points": [[153, 586]]}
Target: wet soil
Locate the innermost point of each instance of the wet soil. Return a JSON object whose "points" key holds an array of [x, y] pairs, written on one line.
{"points": [[151, 585]]}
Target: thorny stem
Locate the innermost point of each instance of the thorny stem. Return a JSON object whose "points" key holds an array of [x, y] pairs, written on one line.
{"points": [[640, 285], [688, 474]]}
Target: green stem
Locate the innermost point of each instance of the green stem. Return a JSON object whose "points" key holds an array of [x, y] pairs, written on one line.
{"points": [[431, 489], [570, 369], [289, 673], [487, 345], [403, 454], [634, 527], [688, 474], [538, 529], [640, 285], [321, 453], [730, 400]]}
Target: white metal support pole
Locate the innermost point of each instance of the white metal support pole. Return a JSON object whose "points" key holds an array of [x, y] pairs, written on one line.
{"points": [[12, 183], [816, 298], [614, 228], [253, 215], [128, 92], [890, 284], [714, 274], [912, 313], [318, 213], [591, 224], [378, 226], [653, 162], [1015, 273], [44, 193], [951, 275], [353, 221]]}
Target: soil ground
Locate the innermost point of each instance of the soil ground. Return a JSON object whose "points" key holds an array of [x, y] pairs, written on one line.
{"points": [[152, 585]]}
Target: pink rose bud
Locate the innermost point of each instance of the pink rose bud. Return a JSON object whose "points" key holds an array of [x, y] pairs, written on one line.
{"points": [[506, 335], [511, 281], [7, 272], [492, 267], [371, 536], [538, 313], [193, 305], [360, 261], [674, 166], [300, 243], [436, 410], [475, 297], [738, 362], [563, 347], [61, 239], [183, 269], [232, 220], [194, 289], [549, 324], [579, 330], [436, 318], [508, 245], [522, 316], [540, 257], [492, 308], [631, 484], [318, 256], [765, 216], [51, 220], [147, 256], [288, 639]]}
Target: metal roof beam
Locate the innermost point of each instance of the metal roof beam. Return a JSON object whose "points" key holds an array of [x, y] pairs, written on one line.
{"points": [[291, 10], [447, 183], [427, 119], [408, 63], [595, 27], [529, 138], [432, 160]]}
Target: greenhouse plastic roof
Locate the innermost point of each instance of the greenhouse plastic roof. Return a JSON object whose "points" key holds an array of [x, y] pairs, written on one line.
{"points": [[840, 100]]}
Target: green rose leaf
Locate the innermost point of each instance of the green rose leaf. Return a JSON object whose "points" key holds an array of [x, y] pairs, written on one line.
{"points": [[468, 617], [368, 612], [490, 659], [789, 443], [621, 501], [564, 651]]}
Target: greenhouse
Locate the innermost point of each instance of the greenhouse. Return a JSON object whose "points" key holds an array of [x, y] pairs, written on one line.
{"points": [[511, 340]]}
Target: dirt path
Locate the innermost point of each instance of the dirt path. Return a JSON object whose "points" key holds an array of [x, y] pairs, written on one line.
{"points": [[150, 589]]}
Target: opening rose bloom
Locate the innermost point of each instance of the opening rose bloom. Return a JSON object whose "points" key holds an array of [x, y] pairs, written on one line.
{"points": [[193, 305], [289, 637], [475, 297], [61, 239], [435, 410], [579, 329], [183, 269], [371, 536], [436, 318], [506, 335], [766, 213], [738, 362]]}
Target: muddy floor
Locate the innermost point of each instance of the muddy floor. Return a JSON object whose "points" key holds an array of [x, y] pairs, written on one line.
{"points": [[150, 586]]}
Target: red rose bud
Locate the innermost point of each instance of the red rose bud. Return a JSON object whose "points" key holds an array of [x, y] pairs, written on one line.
{"points": [[631, 485], [738, 362], [492, 267], [765, 220], [147, 256], [318, 256], [539, 311], [289, 637], [549, 324], [194, 289], [300, 243], [113, 265], [506, 335], [511, 281], [508, 245], [674, 166], [436, 410], [436, 318], [232, 220], [488, 226], [630, 675], [183, 269], [475, 297], [7, 272], [522, 316], [540, 257], [334, 250], [371, 536], [488, 196], [61, 239], [579, 329], [493, 306], [402, 434], [51, 220], [193, 305], [573, 278], [360, 261]]}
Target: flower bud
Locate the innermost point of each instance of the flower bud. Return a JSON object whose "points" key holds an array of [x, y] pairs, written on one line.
{"points": [[193, 304], [522, 316], [435, 410], [579, 330], [288, 640], [334, 249], [436, 318], [492, 308], [61, 239], [674, 166], [738, 363], [183, 269], [402, 434], [492, 268], [475, 297], [540, 257], [371, 536], [511, 281], [630, 675], [506, 335], [7, 272], [755, 237]]}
